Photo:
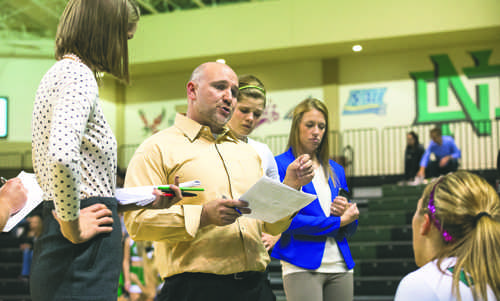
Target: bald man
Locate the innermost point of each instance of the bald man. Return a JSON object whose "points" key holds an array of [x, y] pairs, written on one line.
{"points": [[206, 249]]}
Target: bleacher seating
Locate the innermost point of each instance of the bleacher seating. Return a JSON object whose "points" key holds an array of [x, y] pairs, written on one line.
{"points": [[11, 287], [381, 247]]}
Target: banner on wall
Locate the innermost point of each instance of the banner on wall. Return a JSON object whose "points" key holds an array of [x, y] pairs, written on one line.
{"points": [[445, 78], [436, 96], [365, 101], [151, 126], [145, 119]]}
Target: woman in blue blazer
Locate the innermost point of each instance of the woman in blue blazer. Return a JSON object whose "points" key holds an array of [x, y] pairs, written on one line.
{"points": [[316, 261]]}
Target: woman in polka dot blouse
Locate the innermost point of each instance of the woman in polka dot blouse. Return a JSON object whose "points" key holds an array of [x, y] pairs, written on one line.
{"points": [[78, 256]]}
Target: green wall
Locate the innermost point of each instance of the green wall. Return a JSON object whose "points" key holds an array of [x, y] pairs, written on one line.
{"points": [[286, 29], [295, 46], [19, 79]]}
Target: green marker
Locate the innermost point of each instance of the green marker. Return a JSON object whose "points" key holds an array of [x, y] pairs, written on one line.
{"points": [[182, 188]]}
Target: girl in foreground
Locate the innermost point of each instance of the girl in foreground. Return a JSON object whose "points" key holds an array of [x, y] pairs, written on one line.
{"points": [[456, 242]]}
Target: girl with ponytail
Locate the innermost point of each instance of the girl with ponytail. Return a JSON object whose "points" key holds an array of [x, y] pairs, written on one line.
{"points": [[456, 242]]}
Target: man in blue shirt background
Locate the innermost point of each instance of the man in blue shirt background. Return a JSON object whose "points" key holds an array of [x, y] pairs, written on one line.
{"points": [[440, 157]]}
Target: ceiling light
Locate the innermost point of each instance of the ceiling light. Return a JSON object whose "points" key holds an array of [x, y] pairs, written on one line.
{"points": [[357, 48], [222, 61]]}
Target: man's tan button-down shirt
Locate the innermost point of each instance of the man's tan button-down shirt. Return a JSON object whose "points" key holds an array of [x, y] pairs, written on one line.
{"points": [[226, 167]]}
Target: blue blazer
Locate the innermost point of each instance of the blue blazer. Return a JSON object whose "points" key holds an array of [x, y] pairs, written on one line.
{"points": [[303, 243]]}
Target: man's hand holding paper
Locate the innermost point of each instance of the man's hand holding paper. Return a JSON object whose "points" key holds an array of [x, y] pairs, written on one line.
{"points": [[271, 201]]}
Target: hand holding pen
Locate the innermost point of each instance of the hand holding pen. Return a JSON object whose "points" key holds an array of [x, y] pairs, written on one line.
{"points": [[185, 191], [223, 211], [166, 200]]}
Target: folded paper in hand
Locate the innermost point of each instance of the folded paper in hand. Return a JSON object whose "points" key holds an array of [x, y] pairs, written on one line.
{"points": [[271, 201], [140, 196], [35, 197], [143, 195]]}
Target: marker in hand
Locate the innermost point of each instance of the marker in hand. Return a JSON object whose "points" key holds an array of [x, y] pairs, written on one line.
{"points": [[185, 191], [235, 208]]}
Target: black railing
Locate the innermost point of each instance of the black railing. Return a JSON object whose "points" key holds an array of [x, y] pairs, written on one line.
{"points": [[378, 151], [479, 152]]}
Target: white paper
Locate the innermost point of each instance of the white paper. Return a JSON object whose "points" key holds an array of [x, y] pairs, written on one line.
{"points": [[271, 201], [190, 183], [35, 197], [141, 196]]}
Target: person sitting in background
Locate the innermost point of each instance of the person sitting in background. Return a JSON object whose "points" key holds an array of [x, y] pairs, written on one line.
{"points": [[440, 157], [27, 240], [413, 154], [456, 242], [13, 196]]}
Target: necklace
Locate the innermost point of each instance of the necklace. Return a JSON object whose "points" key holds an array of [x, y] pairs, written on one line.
{"points": [[72, 56]]}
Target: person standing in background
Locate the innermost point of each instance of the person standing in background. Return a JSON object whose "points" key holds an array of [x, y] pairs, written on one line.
{"points": [[316, 260], [133, 271], [249, 108], [27, 239]]}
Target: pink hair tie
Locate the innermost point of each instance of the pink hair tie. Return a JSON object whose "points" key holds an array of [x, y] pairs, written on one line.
{"points": [[432, 208]]}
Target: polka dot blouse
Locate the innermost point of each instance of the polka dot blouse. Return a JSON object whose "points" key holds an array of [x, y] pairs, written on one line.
{"points": [[74, 149]]}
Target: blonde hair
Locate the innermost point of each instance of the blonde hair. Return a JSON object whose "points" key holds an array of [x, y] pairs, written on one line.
{"points": [[251, 87], [468, 208], [322, 152], [96, 32]]}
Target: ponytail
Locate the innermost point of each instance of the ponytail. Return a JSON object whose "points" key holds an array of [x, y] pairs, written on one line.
{"points": [[468, 209], [479, 257]]}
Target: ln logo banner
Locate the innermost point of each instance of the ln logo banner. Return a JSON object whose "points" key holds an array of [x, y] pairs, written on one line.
{"points": [[445, 76]]}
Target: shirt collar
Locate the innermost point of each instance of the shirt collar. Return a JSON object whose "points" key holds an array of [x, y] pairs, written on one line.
{"points": [[193, 130]]}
